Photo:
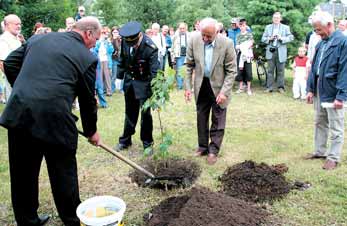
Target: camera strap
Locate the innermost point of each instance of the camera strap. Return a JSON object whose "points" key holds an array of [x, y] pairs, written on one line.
{"points": [[272, 29], [185, 37]]}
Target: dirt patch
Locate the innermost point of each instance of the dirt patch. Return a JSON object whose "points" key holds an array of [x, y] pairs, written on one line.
{"points": [[255, 182], [204, 207], [183, 173], [166, 211]]}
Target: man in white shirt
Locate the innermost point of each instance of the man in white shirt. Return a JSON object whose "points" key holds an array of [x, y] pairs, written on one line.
{"points": [[160, 42], [178, 51], [8, 42]]}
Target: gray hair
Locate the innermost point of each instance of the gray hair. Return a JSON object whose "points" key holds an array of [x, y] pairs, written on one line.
{"points": [[88, 23], [323, 18], [156, 26], [10, 18], [207, 22], [277, 14]]}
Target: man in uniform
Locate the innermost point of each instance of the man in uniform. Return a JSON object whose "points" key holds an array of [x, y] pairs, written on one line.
{"points": [[138, 66]]}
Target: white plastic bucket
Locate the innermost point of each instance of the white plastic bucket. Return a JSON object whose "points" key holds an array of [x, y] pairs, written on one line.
{"points": [[114, 209]]}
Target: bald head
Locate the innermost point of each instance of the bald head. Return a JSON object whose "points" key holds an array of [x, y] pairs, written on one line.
{"points": [[89, 28], [209, 29], [88, 23], [12, 24], [208, 23]]}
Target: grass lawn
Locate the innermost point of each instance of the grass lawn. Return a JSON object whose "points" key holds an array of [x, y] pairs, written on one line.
{"points": [[270, 128]]}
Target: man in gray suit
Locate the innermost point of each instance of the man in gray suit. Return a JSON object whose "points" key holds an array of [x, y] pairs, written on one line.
{"points": [[276, 36], [213, 59]]}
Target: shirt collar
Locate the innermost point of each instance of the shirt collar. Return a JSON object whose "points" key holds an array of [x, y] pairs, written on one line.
{"points": [[8, 34], [213, 44]]}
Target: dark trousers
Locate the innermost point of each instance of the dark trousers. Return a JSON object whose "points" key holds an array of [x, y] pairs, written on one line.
{"points": [[25, 157], [132, 109], [207, 102], [275, 65]]}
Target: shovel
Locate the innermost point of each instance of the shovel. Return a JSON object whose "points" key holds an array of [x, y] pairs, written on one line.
{"points": [[152, 180]]}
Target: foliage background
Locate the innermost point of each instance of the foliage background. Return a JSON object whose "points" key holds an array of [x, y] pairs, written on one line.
{"points": [[257, 12], [117, 12]]}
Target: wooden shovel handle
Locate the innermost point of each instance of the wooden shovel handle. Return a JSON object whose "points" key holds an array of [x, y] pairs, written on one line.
{"points": [[124, 159]]}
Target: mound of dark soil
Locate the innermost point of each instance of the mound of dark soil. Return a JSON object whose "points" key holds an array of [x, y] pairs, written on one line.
{"points": [[166, 211], [204, 207], [178, 173], [255, 182]]}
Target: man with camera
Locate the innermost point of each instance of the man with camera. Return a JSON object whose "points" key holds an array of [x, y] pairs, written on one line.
{"points": [[276, 36], [178, 51]]}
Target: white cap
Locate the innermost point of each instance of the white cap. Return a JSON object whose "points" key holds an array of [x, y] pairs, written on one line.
{"points": [[81, 8]]}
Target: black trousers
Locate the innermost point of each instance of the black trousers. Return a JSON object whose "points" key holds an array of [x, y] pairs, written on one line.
{"points": [[25, 157], [205, 104], [132, 109], [244, 75]]}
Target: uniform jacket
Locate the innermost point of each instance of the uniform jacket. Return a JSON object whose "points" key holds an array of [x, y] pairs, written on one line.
{"points": [[286, 37], [333, 70], [139, 70], [47, 73], [223, 68]]}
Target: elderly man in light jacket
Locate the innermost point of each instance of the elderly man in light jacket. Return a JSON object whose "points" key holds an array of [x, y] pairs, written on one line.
{"points": [[276, 36], [212, 57], [179, 51]]}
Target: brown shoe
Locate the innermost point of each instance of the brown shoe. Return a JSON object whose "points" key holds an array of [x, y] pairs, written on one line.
{"points": [[200, 152], [314, 156], [329, 165], [211, 159]]}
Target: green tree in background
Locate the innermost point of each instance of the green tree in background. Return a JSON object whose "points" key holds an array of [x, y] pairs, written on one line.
{"points": [[114, 13], [50, 12], [5, 6], [191, 10]]}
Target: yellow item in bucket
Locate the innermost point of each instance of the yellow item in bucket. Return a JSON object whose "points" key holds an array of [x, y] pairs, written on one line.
{"points": [[101, 210]]}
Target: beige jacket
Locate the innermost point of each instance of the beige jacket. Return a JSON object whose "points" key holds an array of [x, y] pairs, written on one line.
{"points": [[176, 47], [223, 69]]}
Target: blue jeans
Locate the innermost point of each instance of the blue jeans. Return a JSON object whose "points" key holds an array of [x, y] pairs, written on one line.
{"points": [[99, 87], [115, 64], [179, 78]]}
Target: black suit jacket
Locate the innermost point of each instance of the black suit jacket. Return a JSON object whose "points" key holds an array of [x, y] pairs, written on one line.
{"points": [[46, 74], [139, 70]]}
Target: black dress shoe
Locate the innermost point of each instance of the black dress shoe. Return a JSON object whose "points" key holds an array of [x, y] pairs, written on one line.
{"points": [[43, 219]]}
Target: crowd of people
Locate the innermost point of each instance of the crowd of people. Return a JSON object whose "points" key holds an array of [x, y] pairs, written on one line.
{"points": [[84, 62]]}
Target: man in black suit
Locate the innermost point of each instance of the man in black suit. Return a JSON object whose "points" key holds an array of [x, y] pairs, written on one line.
{"points": [[138, 66], [47, 73]]}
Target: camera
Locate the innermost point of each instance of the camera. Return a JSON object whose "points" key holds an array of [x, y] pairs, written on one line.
{"points": [[274, 44], [183, 50], [272, 49]]}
